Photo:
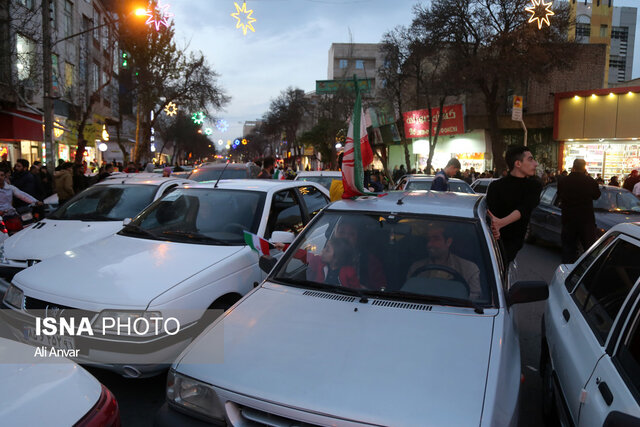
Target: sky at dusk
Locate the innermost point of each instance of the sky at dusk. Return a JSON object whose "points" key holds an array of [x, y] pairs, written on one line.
{"points": [[290, 45]]}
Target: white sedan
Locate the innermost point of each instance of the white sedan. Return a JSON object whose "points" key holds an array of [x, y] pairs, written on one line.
{"points": [[42, 389], [95, 213], [384, 311], [182, 260]]}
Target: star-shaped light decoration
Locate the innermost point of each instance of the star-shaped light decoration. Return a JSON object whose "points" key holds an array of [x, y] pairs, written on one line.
{"points": [[171, 109], [540, 11], [208, 131], [159, 15], [222, 125], [198, 117], [243, 10]]}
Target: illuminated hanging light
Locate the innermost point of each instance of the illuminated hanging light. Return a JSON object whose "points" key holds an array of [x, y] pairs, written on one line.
{"points": [[171, 109], [159, 15], [208, 131], [198, 118], [105, 134], [540, 11], [102, 147], [57, 131], [250, 20], [220, 142], [153, 147], [222, 125], [244, 141]]}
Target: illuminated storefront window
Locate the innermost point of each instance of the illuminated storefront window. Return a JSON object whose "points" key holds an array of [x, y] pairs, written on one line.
{"points": [[605, 158]]}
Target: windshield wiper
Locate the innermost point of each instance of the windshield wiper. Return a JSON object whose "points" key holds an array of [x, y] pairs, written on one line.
{"points": [[196, 236], [322, 286], [136, 229], [432, 299]]}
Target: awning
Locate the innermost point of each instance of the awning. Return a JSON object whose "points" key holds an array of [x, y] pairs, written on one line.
{"points": [[17, 125]]}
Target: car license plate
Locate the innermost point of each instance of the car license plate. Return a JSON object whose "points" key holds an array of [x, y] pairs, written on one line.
{"points": [[27, 216], [55, 341]]}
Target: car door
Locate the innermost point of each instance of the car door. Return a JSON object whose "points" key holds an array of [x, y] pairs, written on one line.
{"points": [[313, 200], [584, 320], [540, 213], [615, 382]]}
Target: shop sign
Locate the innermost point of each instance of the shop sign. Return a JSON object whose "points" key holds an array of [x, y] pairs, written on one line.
{"points": [[334, 86], [416, 123]]}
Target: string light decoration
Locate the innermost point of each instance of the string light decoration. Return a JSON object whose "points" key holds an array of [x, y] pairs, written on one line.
{"points": [[540, 11], [250, 20], [208, 131], [171, 109], [222, 125], [158, 15], [198, 118], [244, 141]]}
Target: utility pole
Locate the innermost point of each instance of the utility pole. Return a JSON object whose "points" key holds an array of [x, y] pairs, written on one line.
{"points": [[47, 77]]}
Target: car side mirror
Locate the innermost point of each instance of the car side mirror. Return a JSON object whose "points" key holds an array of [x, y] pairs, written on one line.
{"points": [[527, 291], [126, 221], [282, 237], [266, 263]]}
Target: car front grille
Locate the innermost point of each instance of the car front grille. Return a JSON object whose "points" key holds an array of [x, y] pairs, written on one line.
{"points": [[256, 417], [41, 308]]}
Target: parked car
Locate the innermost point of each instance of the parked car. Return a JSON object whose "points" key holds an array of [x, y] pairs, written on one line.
{"points": [[215, 171], [36, 391], [481, 185], [323, 178], [89, 216], [590, 352], [615, 205], [427, 344], [423, 182], [184, 256]]}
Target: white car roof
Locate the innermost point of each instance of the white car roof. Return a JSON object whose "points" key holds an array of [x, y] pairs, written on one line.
{"points": [[430, 178], [319, 173], [450, 204], [139, 178], [264, 185], [630, 228]]}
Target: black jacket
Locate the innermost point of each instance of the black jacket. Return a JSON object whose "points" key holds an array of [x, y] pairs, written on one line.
{"points": [[576, 193]]}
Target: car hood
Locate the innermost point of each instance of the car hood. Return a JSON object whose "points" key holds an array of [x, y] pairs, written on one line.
{"points": [[51, 237], [37, 391], [375, 364], [118, 272], [606, 220]]}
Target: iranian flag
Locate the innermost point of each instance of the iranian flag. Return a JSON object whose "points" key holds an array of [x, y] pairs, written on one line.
{"points": [[257, 243], [357, 156]]}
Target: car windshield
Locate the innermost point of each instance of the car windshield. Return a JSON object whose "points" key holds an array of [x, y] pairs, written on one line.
{"points": [[212, 174], [200, 215], [617, 201], [112, 202], [325, 181], [411, 258], [458, 187]]}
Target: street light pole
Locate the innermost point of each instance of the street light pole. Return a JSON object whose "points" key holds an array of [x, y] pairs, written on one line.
{"points": [[47, 73]]}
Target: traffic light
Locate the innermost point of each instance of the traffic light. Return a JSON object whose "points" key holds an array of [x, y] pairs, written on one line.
{"points": [[125, 59]]}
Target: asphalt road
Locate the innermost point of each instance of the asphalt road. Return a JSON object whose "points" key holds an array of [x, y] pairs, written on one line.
{"points": [[139, 399]]}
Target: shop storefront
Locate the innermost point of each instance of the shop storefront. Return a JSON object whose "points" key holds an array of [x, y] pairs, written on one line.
{"points": [[21, 135], [602, 127]]}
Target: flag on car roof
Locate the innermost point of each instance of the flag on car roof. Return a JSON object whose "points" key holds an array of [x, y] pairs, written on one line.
{"points": [[257, 243], [356, 156]]}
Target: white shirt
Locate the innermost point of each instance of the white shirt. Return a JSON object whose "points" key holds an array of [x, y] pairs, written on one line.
{"points": [[636, 190], [6, 198]]}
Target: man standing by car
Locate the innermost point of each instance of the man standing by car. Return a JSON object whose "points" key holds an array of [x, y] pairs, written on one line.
{"points": [[631, 180], [441, 180], [512, 198], [267, 168], [576, 193]]}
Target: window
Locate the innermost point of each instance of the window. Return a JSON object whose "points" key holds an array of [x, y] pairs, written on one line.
{"points": [[359, 64], [285, 214], [96, 22], [25, 51], [344, 63], [68, 18], [95, 77], [603, 30], [27, 3], [314, 199], [55, 77], [105, 34], [602, 291], [548, 194], [53, 7], [577, 272], [68, 75], [628, 357], [620, 33], [583, 30]]}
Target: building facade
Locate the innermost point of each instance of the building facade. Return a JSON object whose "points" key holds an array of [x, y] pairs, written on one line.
{"points": [[360, 59]]}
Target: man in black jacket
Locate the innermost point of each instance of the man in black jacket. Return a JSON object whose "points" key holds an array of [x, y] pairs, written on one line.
{"points": [[576, 193], [512, 198]]}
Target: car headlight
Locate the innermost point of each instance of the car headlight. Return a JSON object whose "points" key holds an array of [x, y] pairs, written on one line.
{"points": [[14, 297], [194, 396], [129, 323]]}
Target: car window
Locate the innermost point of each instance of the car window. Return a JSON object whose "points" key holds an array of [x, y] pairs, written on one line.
{"points": [[418, 185], [617, 201], [399, 256], [580, 269], [285, 214], [212, 174], [460, 187], [313, 199], [325, 181], [481, 188], [107, 203], [604, 288], [628, 357], [548, 194]]}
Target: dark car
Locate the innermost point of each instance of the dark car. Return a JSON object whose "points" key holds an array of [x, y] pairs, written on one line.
{"points": [[215, 171], [615, 205]]}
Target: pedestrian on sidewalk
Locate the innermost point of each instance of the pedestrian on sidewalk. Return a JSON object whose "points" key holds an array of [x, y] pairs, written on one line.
{"points": [[512, 198], [576, 193]]}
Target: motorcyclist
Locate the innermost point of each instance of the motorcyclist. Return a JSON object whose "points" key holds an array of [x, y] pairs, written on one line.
{"points": [[7, 211]]}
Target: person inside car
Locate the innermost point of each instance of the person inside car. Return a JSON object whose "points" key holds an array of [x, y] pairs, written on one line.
{"points": [[367, 265], [439, 243]]}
